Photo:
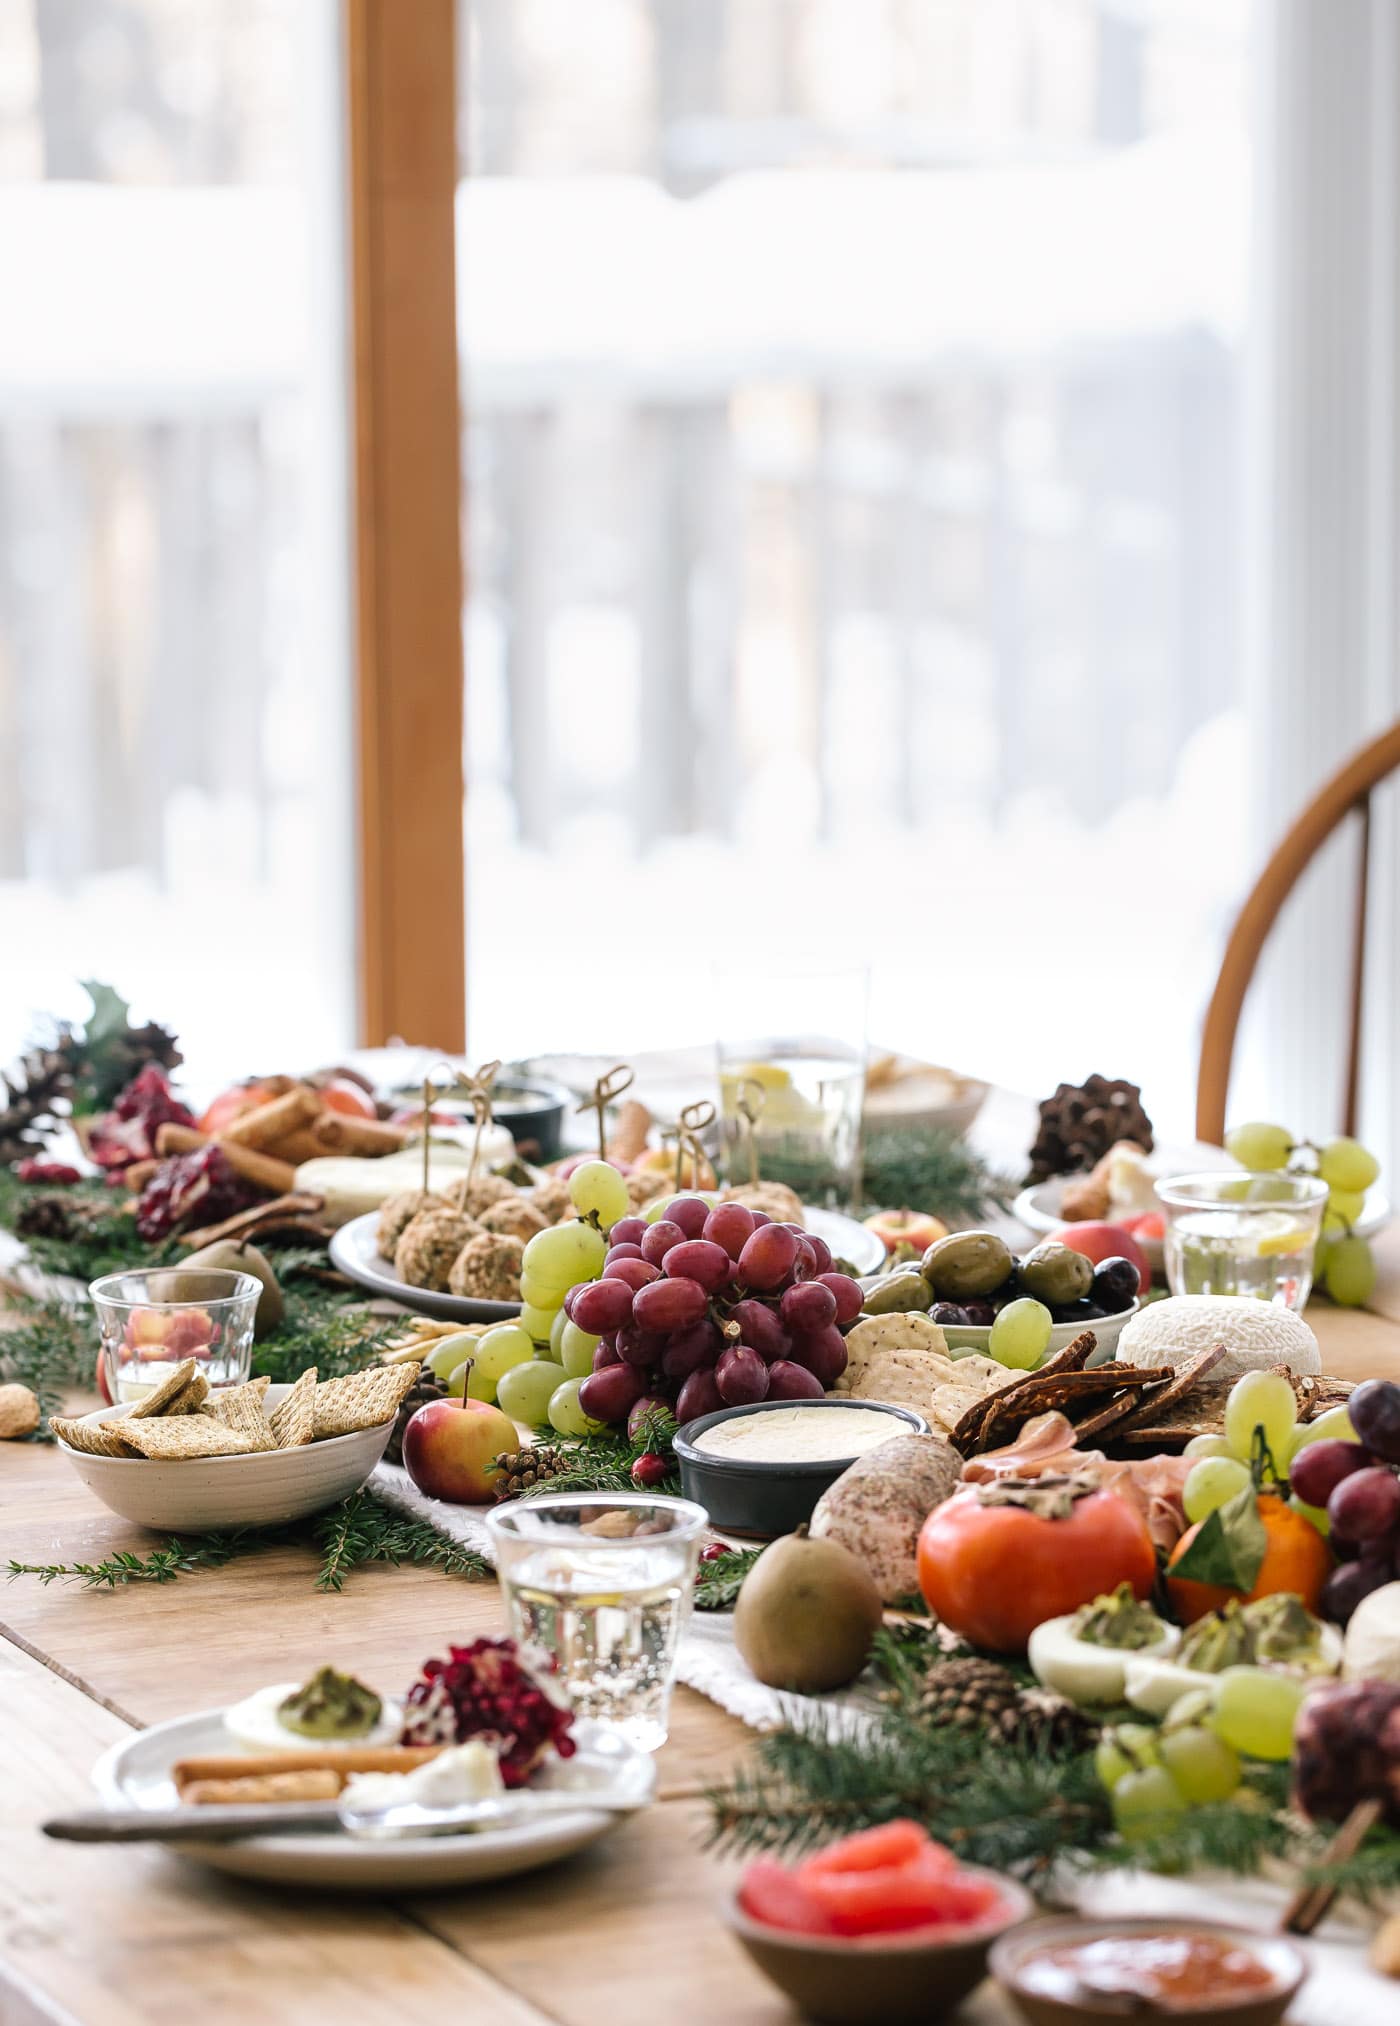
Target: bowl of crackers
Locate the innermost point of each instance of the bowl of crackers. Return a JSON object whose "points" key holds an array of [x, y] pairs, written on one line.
{"points": [[190, 1460]]}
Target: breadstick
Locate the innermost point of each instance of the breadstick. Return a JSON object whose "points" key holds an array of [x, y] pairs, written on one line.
{"points": [[271, 1122], [311, 1758], [175, 1139], [630, 1129], [338, 1133], [298, 1147]]}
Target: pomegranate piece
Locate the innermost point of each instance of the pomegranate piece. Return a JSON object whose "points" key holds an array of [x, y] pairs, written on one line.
{"points": [[127, 1132], [482, 1691], [53, 1172], [190, 1189]]}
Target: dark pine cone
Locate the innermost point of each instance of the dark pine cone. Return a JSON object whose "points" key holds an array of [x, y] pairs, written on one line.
{"points": [[1048, 1721], [526, 1468], [34, 1097], [1081, 1122], [427, 1386], [972, 1695]]}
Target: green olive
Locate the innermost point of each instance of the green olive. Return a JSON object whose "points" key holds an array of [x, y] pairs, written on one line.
{"points": [[897, 1293], [1056, 1274], [966, 1265]]}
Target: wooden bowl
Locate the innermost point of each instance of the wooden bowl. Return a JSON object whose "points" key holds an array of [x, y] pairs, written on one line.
{"points": [[878, 1977], [1253, 2009]]}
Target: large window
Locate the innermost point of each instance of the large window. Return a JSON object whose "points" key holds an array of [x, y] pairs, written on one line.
{"points": [[854, 412], [175, 780]]}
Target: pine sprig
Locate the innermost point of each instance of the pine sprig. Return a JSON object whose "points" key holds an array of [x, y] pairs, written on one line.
{"points": [[162, 1565], [51, 1352], [718, 1582], [364, 1529], [604, 1462], [325, 1330]]}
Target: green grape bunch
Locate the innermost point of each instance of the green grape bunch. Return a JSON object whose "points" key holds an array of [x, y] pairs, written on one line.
{"points": [[1345, 1268]]}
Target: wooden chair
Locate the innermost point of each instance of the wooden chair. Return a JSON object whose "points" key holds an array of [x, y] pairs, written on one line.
{"points": [[1348, 791]]}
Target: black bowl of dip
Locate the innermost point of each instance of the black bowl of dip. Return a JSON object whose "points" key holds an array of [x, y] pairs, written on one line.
{"points": [[773, 1494]]}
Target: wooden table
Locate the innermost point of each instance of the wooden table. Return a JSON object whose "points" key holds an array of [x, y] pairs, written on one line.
{"points": [[626, 1933]]}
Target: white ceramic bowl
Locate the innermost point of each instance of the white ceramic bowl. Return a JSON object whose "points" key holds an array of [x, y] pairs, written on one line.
{"points": [[1107, 1328], [207, 1494]]}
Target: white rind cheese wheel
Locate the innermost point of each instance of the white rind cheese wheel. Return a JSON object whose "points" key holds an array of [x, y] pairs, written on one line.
{"points": [[1258, 1334]]}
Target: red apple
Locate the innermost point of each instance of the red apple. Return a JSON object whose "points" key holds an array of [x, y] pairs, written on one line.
{"points": [[450, 1449], [148, 1326], [190, 1332], [104, 1391], [1106, 1241], [915, 1228]]}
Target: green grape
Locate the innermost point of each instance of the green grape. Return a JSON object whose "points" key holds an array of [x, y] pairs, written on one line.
{"points": [[1316, 1514], [540, 1293], [1207, 1445], [1020, 1333], [1203, 1766], [576, 1350], [448, 1352], [1123, 1749], [1350, 1273], [500, 1348], [556, 1336], [537, 1322], [559, 1258], [480, 1385], [566, 1417], [597, 1189], [526, 1390], [1261, 1400], [1237, 1190], [658, 1209], [458, 1378], [1145, 1803], [1345, 1205], [1346, 1164], [1212, 1482], [1333, 1426], [1259, 1148], [1255, 1711]]}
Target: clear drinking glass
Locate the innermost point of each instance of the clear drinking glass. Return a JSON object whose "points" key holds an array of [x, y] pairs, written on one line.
{"points": [[602, 1585], [152, 1321], [800, 1063], [1242, 1234]]}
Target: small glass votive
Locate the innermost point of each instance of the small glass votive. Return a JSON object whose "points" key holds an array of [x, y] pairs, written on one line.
{"points": [[150, 1322], [601, 1586], [1242, 1234]]}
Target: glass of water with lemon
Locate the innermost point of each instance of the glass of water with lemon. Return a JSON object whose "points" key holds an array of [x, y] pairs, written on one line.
{"points": [[1242, 1234]]}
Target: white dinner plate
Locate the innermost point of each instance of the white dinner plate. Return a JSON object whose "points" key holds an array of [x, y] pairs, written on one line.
{"points": [[355, 1250], [136, 1774]]}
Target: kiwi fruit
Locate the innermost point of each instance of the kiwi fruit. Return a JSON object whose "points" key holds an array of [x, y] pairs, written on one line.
{"points": [[807, 1615]]}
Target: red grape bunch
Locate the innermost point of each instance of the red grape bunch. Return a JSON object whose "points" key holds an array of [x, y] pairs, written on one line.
{"points": [[711, 1307], [1358, 1482]]}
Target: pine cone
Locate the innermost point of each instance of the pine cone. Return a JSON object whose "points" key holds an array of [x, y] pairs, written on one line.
{"points": [[527, 1468], [35, 1097], [1080, 1122], [971, 1695], [427, 1386], [1042, 1718]]}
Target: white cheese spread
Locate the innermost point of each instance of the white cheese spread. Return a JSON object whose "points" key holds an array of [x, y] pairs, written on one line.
{"points": [[800, 1434]]}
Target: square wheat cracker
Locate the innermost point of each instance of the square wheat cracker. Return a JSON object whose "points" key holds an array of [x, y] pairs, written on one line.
{"points": [[294, 1421], [359, 1400], [91, 1438], [242, 1410], [183, 1437], [160, 1397]]}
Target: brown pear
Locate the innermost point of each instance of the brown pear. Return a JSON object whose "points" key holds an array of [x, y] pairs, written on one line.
{"points": [[238, 1258], [807, 1615]]}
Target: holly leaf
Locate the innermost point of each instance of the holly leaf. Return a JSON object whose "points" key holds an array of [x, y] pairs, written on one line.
{"points": [[109, 1016], [1229, 1547]]}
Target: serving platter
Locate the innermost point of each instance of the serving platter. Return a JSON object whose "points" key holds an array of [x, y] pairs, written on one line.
{"points": [[355, 1250], [137, 1774]]}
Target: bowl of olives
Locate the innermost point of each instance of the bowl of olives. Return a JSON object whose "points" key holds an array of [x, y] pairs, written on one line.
{"points": [[1016, 1309]]}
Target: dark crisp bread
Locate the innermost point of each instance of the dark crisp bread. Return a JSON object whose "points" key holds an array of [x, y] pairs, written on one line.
{"points": [[1183, 1384], [1063, 1392]]}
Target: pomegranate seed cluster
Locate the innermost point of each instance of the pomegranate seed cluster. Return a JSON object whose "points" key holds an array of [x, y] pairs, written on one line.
{"points": [[483, 1691]]}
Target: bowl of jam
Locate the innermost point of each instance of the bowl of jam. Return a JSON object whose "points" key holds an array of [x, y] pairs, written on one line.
{"points": [[1075, 1972]]}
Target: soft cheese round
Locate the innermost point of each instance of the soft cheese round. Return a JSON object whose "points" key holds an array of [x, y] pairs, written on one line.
{"points": [[1257, 1334]]}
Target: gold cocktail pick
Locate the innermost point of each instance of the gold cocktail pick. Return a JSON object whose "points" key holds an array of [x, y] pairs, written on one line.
{"points": [[749, 1105], [478, 1089], [449, 1078], [606, 1091], [692, 1122]]}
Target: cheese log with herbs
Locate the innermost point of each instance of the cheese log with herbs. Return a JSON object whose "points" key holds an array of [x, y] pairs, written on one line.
{"points": [[876, 1508]]}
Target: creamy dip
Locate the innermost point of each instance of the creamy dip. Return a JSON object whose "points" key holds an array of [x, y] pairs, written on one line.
{"points": [[801, 1434]]}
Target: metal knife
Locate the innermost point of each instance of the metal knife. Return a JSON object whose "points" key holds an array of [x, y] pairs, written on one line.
{"points": [[226, 1824]]}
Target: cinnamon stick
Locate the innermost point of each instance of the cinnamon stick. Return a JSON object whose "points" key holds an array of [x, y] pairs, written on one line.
{"points": [[272, 1122], [277, 1177], [1311, 1903], [302, 1145], [138, 1174], [245, 1222], [338, 1133]]}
